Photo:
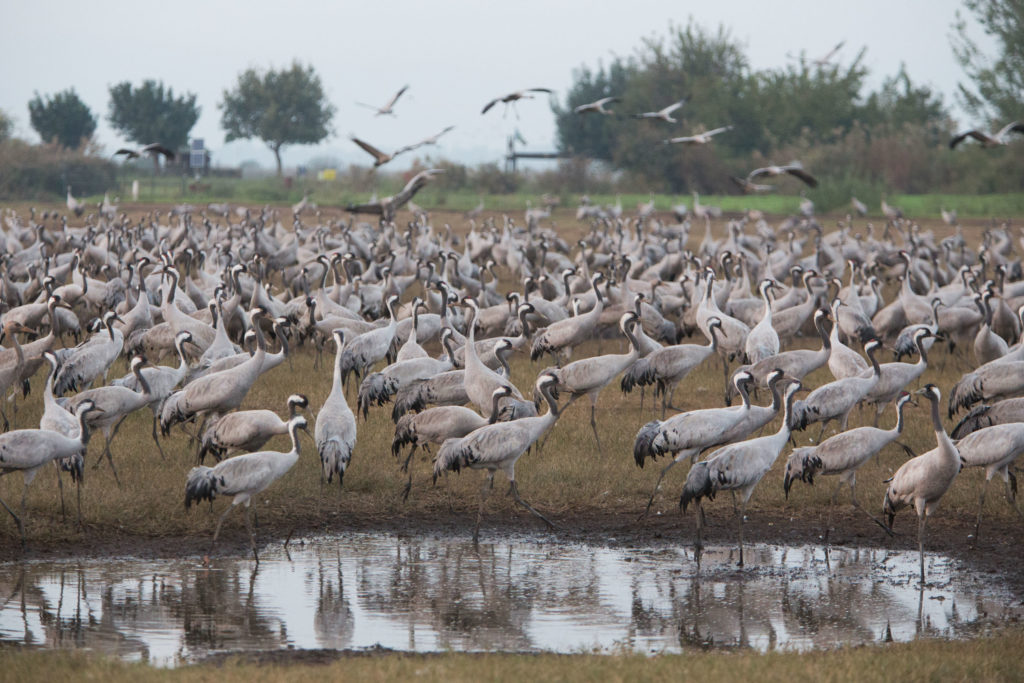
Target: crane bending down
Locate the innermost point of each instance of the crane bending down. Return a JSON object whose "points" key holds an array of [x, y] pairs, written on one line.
{"points": [[497, 447], [242, 476], [736, 467], [922, 481]]}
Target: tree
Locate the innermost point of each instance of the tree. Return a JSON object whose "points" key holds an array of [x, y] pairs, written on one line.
{"points": [[996, 87], [62, 118], [279, 107], [6, 126], [151, 113]]}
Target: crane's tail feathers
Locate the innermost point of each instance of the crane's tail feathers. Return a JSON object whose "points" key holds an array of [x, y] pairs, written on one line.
{"points": [[334, 458], [452, 455], [201, 485], [644, 445], [404, 434], [978, 418], [376, 389], [802, 464], [698, 485], [173, 412], [968, 391], [637, 375], [74, 464], [408, 399]]}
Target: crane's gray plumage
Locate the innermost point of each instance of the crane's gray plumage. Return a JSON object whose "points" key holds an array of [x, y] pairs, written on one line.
{"points": [[247, 430], [335, 430], [922, 481], [242, 476], [499, 446], [736, 467]]}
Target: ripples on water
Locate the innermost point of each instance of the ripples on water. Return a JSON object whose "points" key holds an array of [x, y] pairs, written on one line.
{"points": [[430, 594]]}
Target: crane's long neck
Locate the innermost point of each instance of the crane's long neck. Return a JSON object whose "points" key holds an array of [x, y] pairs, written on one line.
{"points": [[336, 381], [898, 429], [942, 439], [293, 432], [182, 360]]}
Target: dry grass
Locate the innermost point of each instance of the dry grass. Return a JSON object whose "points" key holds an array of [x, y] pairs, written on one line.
{"points": [[566, 480], [984, 659]]}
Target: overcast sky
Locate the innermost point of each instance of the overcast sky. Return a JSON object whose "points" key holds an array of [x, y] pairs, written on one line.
{"points": [[454, 54]]}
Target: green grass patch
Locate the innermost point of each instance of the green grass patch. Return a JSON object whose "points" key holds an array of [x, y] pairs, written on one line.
{"points": [[359, 188]]}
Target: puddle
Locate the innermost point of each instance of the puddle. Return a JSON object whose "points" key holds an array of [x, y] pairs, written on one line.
{"points": [[525, 595]]}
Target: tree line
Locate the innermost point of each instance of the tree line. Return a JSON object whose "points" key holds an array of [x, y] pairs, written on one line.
{"points": [[279, 107], [818, 111]]}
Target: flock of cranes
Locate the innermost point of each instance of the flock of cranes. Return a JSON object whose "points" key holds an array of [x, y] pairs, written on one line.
{"points": [[424, 322]]}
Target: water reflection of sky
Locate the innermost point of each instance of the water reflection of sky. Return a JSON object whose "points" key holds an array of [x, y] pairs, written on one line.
{"points": [[428, 594]]}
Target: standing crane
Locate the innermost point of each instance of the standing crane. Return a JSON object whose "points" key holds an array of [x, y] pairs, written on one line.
{"points": [[588, 376], [335, 430], [162, 381], [843, 454], [27, 450], [995, 448], [91, 358], [247, 430], [922, 481], [242, 476], [115, 403], [499, 446], [736, 467]]}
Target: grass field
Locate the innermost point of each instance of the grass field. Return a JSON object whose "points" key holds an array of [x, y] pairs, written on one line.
{"points": [[989, 659], [339, 194], [568, 482], [564, 480]]}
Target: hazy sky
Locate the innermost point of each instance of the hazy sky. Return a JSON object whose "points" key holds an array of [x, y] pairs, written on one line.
{"points": [[454, 55]]}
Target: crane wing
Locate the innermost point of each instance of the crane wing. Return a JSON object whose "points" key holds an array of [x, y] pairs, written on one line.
{"points": [[373, 151], [487, 107], [394, 99], [803, 175]]}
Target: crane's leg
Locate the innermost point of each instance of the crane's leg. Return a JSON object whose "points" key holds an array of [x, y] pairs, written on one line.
{"points": [[671, 398], [485, 491], [78, 495], [922, 520], [981, 506], [252, 536], [7, 425], [1011, 492], [856, 504], [831, 507], [699, 514], [822, 432], [216, 531], [110, 459], [514, 490], [406, 468], [17, 520], [657, 484], [157, 440], [60, 486], [743, 513], [593, 425]]}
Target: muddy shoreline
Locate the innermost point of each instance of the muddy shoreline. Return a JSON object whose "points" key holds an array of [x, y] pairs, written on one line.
{"points": [[997, 552]]}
